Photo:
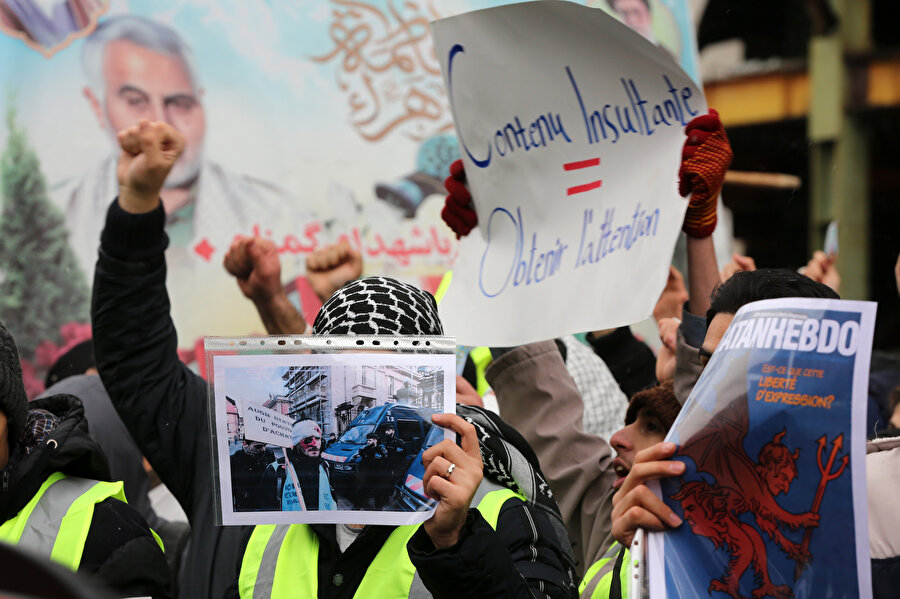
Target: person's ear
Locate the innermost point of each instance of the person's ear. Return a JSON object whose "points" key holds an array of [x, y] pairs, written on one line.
{"points": [[96, 106]]}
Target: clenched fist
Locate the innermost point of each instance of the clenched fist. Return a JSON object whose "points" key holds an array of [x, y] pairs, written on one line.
{"points": [[329, 268], [255, 264], [148, 152]]}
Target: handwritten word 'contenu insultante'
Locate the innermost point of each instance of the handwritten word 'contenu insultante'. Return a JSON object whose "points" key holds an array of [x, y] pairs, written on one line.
{"points": [[634, 115]]}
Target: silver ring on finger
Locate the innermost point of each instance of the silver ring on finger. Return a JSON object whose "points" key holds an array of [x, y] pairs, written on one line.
{"points": [[450, 469]]}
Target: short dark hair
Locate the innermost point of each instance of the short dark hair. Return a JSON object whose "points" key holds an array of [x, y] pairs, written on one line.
{"points": [[661, 402], [765, 283]]}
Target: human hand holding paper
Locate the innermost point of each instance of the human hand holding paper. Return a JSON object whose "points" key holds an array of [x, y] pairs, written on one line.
{"points": [[634, 504], [452, 474], [458, 212], [704, 160]]}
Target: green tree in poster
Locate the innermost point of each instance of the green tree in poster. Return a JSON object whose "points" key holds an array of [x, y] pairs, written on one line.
{"points": [[42, 285]]}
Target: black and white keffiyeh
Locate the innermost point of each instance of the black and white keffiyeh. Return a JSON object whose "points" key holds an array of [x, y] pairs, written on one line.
{"points": [[378, 306], [385, 306]]}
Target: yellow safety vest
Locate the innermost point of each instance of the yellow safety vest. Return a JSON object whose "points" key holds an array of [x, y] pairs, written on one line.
{"points": [[39, 528], [281, 561], [607, 578], [481, 356]]}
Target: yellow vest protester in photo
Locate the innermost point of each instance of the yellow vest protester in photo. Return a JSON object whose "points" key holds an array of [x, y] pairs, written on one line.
{"points": [[281, 561], [38, 527]]}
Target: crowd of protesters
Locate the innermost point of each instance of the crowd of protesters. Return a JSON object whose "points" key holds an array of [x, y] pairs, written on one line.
{"points": [[541, 497]]}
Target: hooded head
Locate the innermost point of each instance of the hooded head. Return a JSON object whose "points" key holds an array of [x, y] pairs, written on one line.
{"points": [[378, 306], [13, 401]]}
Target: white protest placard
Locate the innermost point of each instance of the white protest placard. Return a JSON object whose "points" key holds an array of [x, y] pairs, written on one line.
{"points": [[267, 426], [571, 127]]}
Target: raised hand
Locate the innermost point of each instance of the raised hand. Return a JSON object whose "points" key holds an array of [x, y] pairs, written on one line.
{"points": [[665, 359], [634, 504], [255, 265], [254, 262], [458, 212], [149, 150], [822, 269], [672, 298], [452, 474], [738, 263], [704, 160], [331, 267]]}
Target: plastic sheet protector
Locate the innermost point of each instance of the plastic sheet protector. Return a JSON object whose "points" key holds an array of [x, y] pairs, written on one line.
{"points": [[326, 429]]}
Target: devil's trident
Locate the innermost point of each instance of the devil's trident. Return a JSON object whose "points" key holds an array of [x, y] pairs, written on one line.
{"points": [[827, 477]]}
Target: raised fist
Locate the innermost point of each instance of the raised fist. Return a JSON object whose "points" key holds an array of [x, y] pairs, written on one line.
{"points": [[254, 262], [148, 152], [331, 267]]}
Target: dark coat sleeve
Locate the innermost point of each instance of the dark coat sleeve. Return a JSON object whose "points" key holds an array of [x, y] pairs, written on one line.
{"points": [[519, 559], [161, 402], [121, 552]]}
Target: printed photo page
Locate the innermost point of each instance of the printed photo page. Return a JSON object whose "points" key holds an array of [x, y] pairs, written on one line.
{"points": [[330, 430]]}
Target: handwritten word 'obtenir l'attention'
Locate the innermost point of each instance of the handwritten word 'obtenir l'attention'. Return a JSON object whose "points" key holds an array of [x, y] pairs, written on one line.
{"points": [[536, 265], [633, 115]]}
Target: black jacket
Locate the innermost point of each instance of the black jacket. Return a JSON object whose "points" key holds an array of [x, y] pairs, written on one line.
{"points": [[164, 405], [248, 484], [119, 550]]}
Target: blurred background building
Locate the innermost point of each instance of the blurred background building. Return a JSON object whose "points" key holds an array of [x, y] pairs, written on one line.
{"points": [[809, 91]]}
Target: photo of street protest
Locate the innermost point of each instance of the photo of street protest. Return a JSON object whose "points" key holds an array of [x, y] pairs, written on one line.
{"points": [[305, 438]]}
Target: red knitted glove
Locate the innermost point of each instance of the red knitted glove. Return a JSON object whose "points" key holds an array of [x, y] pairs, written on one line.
{"points": [[458, 212], [704, 160]]}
